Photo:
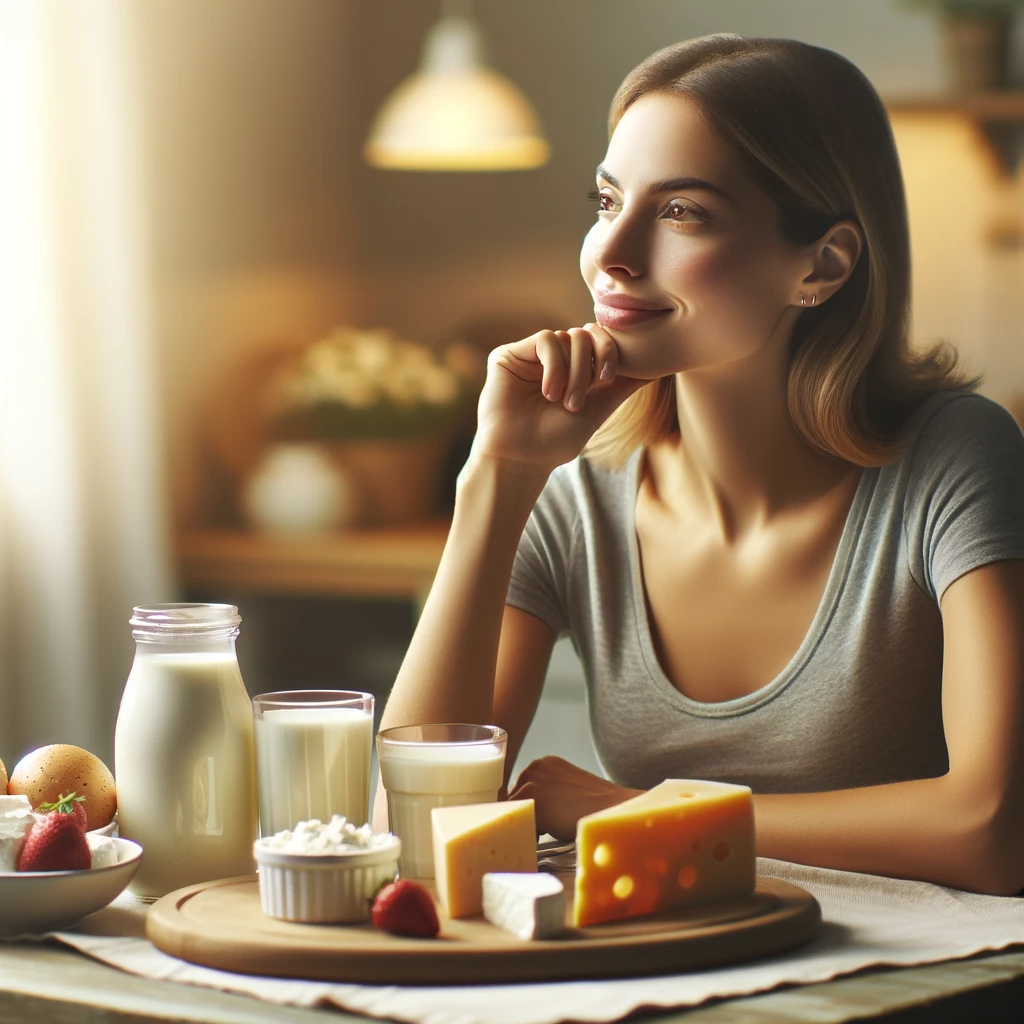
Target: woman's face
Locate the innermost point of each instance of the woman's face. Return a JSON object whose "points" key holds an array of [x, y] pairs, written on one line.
{"points": [[687, 263]]}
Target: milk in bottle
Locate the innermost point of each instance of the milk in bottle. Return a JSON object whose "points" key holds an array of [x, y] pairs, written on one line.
{"points": [[183, 749]]}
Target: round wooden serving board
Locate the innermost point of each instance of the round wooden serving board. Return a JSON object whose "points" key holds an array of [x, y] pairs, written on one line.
{"points": [[221, 924]]}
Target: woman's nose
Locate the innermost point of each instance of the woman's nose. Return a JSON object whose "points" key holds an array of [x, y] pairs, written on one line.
{"points": [[621, 249]]}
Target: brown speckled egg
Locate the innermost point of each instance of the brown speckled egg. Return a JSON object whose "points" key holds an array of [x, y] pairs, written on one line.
{"points": [[46, 772]]}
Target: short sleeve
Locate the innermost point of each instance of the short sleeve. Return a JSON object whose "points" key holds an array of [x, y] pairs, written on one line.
{"points": [[540, 573], [965, 494]]}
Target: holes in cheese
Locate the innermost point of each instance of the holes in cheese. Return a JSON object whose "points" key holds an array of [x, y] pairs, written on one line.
{"points": [[474, 839], [623, 887], [683, 842], [656, 865]]}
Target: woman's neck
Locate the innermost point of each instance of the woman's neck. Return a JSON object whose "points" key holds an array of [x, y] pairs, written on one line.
{"points": [[738, 459]]}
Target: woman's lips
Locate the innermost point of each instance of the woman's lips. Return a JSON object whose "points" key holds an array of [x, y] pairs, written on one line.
{"points": [[623, 319]]}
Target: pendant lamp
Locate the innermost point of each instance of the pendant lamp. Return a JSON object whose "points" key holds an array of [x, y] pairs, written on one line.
{"points": [[455, 113]]}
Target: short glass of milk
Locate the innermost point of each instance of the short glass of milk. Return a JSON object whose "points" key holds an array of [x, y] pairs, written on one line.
{"points": [[313, 752], [428, 766]]}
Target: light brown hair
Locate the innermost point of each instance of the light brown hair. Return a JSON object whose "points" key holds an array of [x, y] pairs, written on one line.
{"points": [[815, 136]]}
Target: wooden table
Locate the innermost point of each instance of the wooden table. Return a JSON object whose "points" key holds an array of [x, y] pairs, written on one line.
{"points": [[53, 985]]}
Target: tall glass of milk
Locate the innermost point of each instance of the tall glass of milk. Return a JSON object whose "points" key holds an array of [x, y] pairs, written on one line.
{"points": [[183, 749], [313, 756], [428, 766]]}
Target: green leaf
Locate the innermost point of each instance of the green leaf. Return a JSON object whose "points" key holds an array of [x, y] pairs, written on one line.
{"points": [[63, 804]]}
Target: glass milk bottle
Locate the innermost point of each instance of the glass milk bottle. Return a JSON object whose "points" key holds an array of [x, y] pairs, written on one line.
{"points": [[183, 749]]}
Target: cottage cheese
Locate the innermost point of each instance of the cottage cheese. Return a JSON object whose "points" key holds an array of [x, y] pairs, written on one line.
{"points": [[16, 818], [103, 850], [338, 836]]}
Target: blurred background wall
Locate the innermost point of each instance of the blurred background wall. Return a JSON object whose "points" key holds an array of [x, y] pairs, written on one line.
{"points": [[262, 221], [267, 221]]}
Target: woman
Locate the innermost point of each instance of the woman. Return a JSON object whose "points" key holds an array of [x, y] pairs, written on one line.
{"points": [[791, 555]]}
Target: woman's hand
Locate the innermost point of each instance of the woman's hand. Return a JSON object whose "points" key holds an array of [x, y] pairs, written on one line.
{"points": [[563, 793], [546, 395]]}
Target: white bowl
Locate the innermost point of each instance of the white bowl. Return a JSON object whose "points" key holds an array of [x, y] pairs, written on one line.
{"points": [[324, 888], [107, 830], [41, 901]]}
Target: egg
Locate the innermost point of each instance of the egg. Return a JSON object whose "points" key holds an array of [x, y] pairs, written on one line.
{"points": [[49, 771], [3, 778]]}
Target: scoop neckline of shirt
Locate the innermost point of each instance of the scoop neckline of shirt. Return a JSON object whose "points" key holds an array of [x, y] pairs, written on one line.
{"points": [[822, 616]]}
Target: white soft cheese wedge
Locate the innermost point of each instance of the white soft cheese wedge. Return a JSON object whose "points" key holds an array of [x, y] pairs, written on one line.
{"points": [[531, 906], [681, 843], [16, 818], [471, 840]]}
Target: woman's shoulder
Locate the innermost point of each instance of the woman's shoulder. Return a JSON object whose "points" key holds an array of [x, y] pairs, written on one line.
{"points": [[588, 489], [961, 426], [587, 475], [960, 482]]}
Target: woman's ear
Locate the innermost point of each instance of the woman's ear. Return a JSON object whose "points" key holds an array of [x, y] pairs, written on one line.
{"points": [[833, 258]]}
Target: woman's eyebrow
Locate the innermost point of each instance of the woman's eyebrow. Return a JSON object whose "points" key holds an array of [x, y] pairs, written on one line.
{"points": [[669, 185]]}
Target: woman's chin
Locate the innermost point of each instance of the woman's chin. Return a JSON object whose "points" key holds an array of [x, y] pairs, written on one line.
{"points": [[643, 358], [635, 366]]}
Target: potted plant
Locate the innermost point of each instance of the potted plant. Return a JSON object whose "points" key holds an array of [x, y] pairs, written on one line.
{"points": [[384, 407], [977, 39]]}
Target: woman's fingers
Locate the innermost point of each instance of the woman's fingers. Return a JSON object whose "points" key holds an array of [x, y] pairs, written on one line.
{"points": [[581, 361], [540, 357], [570, 364], [606, 354], [551, 352]]}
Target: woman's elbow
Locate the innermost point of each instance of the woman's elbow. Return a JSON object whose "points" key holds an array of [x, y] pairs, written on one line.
{"points": [[993, 860]]}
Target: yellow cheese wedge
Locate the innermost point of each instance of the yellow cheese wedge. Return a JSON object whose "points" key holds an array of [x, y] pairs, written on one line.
{"points": [[471, 840], [681, 843]]}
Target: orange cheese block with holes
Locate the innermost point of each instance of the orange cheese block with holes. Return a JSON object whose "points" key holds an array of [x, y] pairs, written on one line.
{"points": [[681, 843]]}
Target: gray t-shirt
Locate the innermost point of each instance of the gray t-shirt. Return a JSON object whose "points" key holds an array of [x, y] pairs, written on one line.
{"points": [[859, 703]]}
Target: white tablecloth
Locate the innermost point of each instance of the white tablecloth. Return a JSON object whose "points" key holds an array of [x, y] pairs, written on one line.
{"points": [[868, 921]]}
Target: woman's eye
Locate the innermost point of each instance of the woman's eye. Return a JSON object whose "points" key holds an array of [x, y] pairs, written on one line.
{"points": [[684, 213], [605, 202]]}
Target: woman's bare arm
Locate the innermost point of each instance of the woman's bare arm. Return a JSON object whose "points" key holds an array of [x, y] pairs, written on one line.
{"points": [[523, 657], [529, 422], [448, 671], [966, 828]]}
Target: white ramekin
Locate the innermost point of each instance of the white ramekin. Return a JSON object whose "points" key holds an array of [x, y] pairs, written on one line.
{"points": [[324, 888]]}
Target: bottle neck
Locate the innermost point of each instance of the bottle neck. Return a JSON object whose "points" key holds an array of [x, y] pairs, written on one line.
{"points": [[186, 625], [165, 648]]}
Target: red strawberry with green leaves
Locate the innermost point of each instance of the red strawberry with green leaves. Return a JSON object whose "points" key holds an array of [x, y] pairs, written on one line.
{"points": [[56, 842], [406, 908], [69, 804]]}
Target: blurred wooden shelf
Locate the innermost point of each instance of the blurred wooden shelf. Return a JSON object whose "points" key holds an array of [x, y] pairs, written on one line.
{"points": [[998, 117], [998, 105], [399, 562]]}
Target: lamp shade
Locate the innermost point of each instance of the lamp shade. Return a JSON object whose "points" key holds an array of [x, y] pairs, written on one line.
{"points": [[456, 114]]}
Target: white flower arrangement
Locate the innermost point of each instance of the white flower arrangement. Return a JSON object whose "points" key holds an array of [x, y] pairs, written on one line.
{"points": [[368, 383]]}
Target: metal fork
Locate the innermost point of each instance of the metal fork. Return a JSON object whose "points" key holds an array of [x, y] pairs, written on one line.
{"points": [[556, 855]]}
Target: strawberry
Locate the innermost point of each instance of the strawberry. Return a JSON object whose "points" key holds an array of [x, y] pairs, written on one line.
{"points": [[55, 842], [406, 908], [69, 804]]}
